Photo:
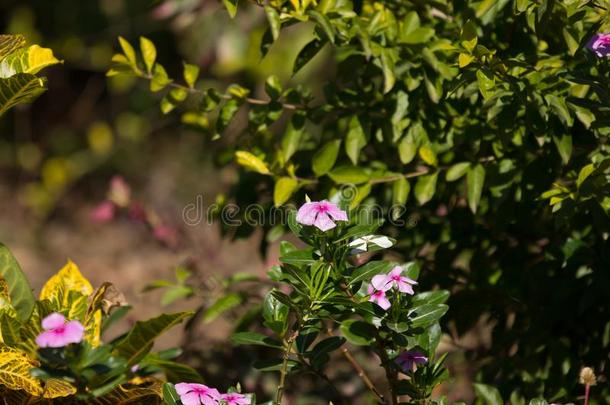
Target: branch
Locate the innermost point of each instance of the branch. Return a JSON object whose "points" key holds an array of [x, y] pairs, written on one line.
{"points": [[284, 370]]}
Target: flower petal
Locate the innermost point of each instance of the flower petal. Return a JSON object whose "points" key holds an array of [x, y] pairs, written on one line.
{"points": [[74, 332], [384, 302], [184, 388], [335, 212], [323, 222], [307, 213], [53, 321], [381, 241], [405, 288], [396, 271], [191, 398], [381, 282]]}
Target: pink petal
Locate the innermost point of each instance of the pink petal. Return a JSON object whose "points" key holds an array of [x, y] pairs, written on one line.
{"points": [[396, 271], [384, 302], [191, 398], [405, 288], [381, 282], [184, 388], [104, 212], [53, 321], [307, 213], [335, 212], [370, 289], [49, 339], [323, 222], [74, 332]]}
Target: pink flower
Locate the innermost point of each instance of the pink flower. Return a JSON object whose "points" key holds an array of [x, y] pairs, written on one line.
{"points": [[600, 44], [321, 214], [59, 333], [197, 394], [378, 297], [407, 359], [104, 212], [394, 279], [234, 398]]}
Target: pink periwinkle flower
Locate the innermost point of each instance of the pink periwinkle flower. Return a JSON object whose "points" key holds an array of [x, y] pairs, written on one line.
{"points": [[58, 332], [103, 212], [197, 394], [378, 297], [394, 278], [407, 359], [600, 44], [321, 214], [234, 398], [120, 191]]}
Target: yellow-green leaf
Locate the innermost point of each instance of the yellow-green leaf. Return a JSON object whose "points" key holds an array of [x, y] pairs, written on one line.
{"points": [[191, 74], [22, 88], [284, 188], [69, 278], [19, 290], [425, 188], [427, 155], [56, 388], [15, 368], [249, 161], [128, 50], [465, 59], [475, 178], [10, 43], [149, 53]]}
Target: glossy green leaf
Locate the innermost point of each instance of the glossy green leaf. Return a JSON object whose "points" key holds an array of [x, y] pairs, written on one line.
{"points": [[475, 178], [253, 338], [324, 159], [283, 190], [425, 187], [355, 140], [348, 175], [19, 288], [490, 395], [21, 88], [222, 305], [457, 171], [149, 53]]}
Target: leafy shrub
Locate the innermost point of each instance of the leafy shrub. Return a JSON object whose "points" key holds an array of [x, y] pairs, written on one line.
{"points": [[483, 123], [33, 370]]}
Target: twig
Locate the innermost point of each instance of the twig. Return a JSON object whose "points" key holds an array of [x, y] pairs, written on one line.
{"points": [[284, 369]]}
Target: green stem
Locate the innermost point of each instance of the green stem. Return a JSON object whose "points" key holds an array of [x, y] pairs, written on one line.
{"points": [[389, 371], [284, 370]]}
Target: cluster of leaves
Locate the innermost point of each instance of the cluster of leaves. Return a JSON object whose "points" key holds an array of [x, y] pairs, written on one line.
{"points": [[19, 65], [120, 371], [488, 111], [329, 305]]}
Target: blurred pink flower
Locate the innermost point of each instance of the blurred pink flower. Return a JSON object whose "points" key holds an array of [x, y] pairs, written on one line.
{"points": [[321, 214], [137, 211], [234, 398], [407, 359], [395, 278], [600, 44], [378, 297], [120, 192], [197, 394], [166, 234], [59, 333], [103, 212]]}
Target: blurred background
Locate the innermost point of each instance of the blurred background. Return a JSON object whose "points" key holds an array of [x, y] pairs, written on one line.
{"points": [[91, 138]]}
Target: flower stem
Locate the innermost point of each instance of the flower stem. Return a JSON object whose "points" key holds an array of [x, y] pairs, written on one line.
{"points": [[284, 370], [587, 390]]}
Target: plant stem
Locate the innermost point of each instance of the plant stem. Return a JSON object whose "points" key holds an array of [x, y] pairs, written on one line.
{"points": [[587, 390], [389, 372], [284, 370]]}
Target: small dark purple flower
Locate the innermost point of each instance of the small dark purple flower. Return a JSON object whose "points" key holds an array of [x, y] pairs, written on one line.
{"points": [[407, 359], [600, 44]]}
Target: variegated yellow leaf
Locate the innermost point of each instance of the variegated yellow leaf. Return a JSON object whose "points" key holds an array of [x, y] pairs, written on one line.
{"points": [[69, 278], [15, 368], [56, 388], [125, 395]]}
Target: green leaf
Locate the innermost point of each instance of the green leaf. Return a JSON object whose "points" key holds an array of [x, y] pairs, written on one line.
{"points": [[21, 88], [191, 74], [425, 188], [10, 329], [273, 87], [559, 107], [387, 66], [564, 147], [355, 140], [349, 175], [430, 298], [222, 305], [149, 53], [411, 32], [128, 51], [323, 22], [292, 137], [407, 148], [175, 372], [468, 36], [464, 60], [584, 173], [140, 339], [19, 288], [307, 53], [160, 79], [400, 191], [253, 338], [284, 188], [427, 314], [457, 171], [231, 6], [275, 312], [490, 395], [273, 18], [370, 269], [475, 178], [170, 396], [486, 83], [358, 332], [249, 161], [226, 114], [324, 159]]}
